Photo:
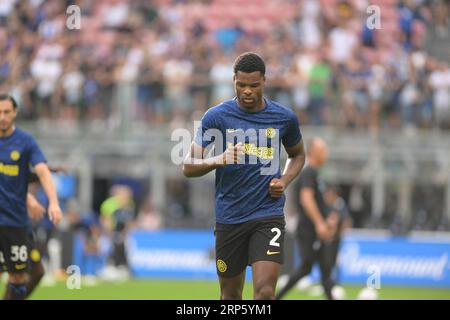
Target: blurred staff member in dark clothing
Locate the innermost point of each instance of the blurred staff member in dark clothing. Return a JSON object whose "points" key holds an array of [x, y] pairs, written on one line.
{"points": [[316, 228], [338, 220]]}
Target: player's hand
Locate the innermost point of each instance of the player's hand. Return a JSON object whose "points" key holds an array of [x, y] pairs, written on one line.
{"points": [[54, 213], [276, 188], [333, 222], [323, 231], [233, 154], [35, 209]]}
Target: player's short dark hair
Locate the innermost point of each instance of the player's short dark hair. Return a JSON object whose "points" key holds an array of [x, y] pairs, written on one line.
{"points": [[249, 62], [10, 98]]}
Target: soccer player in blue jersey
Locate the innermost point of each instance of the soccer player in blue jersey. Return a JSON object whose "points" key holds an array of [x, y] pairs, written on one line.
{"points": [[246, 133], [18, 150], [36, 270]]}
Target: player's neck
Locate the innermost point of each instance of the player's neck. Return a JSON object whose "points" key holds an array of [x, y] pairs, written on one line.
{"points": [[7, 132]]}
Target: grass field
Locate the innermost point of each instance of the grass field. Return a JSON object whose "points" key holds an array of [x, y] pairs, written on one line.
{"points": [[202, 290]]}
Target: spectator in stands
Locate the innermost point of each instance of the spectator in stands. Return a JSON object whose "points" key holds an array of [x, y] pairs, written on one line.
{"points": [[442, 13], [439, 81], [47, 66]]}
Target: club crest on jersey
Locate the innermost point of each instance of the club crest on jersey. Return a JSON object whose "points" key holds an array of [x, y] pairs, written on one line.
{"points": [[35, 255], [270, 133], [15, 155]]}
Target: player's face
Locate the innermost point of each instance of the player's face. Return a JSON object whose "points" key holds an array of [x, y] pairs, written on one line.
{"points": [[7, 115], [249, 89]]}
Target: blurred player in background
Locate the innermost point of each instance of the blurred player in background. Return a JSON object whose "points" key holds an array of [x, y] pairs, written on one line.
{"points": [[317, 226], [249, 206], [36, 271], [36, 212], [18, 150], [117, 214]]}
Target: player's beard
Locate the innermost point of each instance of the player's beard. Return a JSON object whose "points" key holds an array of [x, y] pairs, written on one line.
{"points": [[4, 128]]}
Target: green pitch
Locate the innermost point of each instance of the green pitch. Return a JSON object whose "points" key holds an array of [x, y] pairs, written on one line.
{"points": [[201, 290]]}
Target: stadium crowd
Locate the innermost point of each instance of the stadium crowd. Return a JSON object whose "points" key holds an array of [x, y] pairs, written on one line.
{"points": [[169, 60]]}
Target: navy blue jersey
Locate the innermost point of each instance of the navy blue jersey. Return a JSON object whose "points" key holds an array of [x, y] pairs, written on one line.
{"points": [[17, 152], [242, 190]]}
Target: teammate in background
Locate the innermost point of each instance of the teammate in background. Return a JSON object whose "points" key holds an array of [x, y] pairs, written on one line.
{"points": [[36, 212], [36, 271], [18, 150], [316, 228], [249, 199]]}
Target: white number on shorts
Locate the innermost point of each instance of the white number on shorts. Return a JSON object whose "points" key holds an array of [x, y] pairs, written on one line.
{"points": [[274, 242], [19, 253]]}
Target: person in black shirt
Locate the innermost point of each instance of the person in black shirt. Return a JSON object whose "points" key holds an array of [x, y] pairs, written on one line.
{"points": [[315, 233], [338, 219]]}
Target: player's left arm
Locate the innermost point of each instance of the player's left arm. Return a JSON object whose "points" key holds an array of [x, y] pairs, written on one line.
{"points": [[294, 164], [45, 177]]}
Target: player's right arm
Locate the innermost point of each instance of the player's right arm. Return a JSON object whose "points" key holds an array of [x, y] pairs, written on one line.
{"points": [[196, 164], [312, 210]]}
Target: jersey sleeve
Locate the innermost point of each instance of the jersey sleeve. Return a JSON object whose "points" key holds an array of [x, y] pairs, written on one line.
{"points": [[36, 154], [292, 136], [203, 136]]}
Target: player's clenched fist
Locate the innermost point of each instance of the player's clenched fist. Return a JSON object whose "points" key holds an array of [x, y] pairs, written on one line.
{"points": [[276, 188], [233, 154]]}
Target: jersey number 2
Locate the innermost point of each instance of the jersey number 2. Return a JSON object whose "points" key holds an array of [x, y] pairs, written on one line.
{"points": [[274, 242]]}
